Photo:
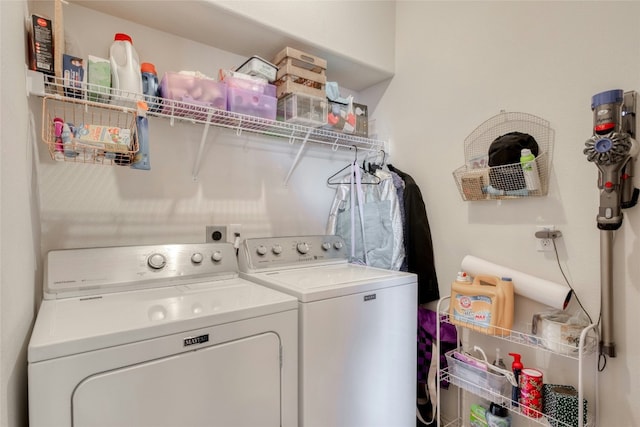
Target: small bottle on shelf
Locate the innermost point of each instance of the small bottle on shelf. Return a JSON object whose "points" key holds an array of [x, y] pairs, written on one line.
{"points": [[498, 416], [498, 361], [530, 170], [516, 367]]}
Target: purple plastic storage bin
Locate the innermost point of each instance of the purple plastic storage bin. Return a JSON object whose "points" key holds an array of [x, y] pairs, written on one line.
{"points": [[251, 103], [251, 84]]}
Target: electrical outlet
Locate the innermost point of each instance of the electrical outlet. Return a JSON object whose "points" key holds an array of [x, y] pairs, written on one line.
{"points": [[544, 244], [216, 234], [234, 230]]}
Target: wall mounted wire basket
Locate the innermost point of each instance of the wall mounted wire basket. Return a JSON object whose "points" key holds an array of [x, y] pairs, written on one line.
{"points": [[94, 133], [476, 180]]}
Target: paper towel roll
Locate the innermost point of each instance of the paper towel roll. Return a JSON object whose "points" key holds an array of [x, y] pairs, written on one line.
{"points": [[544, 291]]}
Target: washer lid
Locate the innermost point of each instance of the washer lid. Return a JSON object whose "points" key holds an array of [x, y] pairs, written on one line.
{"points": [[73, 325], [330, 281]]}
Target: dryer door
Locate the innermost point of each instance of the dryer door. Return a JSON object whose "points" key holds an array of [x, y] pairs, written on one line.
{"points": [[231, 384]]}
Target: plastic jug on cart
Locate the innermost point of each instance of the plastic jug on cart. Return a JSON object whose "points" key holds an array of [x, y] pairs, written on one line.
{"points": [[484, 304]]}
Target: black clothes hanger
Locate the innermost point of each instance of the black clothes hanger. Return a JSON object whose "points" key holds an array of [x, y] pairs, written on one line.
{"points": [[372, 167], [337, 178]]}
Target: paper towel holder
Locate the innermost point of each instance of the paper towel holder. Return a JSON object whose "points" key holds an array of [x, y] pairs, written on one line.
{"points": [[540, 290]]}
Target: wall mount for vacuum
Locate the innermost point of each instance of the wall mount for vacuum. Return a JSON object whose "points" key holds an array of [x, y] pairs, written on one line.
{"points": [[628, 122]]}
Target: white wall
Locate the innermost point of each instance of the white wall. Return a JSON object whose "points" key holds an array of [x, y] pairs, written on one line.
{"points": [[459, 64], [48, 205], [19, 224], [358, 29], [241, 179]]}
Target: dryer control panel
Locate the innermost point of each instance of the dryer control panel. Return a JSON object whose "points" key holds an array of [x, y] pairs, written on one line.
{"points": [[93, 271], [271, 252]]}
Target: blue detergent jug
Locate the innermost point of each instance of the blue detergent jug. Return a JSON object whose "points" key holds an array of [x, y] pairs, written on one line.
{"points": [[150, 86]]}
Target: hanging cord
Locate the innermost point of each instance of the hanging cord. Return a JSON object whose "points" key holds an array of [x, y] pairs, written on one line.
{"points": [[602, 358], [555, 249]]}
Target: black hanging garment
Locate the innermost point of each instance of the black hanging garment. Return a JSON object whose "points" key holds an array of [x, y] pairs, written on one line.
{"points": [[417, 240]]}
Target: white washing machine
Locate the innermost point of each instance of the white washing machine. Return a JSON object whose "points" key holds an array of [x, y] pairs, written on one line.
{"points": [[164, 335], [357, 330]]}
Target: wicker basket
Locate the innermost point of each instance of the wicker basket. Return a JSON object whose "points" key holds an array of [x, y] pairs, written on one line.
{"points": [[477, 181]]}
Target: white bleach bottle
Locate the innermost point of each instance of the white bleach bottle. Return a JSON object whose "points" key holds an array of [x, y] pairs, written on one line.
{"points": [[125, 69]]}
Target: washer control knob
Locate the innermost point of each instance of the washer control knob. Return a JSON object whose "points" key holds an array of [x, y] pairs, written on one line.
{"points": [[156, 261], [276, 249], [326, 246], [338, 245], [216, 256], [261, 250], [196, 258], [302, 247]]}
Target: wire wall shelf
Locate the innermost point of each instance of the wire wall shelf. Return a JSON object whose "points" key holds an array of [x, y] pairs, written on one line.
{"points": [[529, 415], [476, 180], [197, 113], [100, 97], [538, 343]]}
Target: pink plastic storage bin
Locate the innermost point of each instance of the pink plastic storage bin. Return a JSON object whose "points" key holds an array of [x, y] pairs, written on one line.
{"points": [[193, 95], [251, 103]]}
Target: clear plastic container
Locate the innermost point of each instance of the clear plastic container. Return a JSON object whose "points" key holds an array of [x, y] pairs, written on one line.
{"points": [[303, 109], [476, 378]]}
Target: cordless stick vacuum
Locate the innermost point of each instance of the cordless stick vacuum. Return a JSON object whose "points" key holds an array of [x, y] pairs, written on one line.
{"points": [[613, 150]]}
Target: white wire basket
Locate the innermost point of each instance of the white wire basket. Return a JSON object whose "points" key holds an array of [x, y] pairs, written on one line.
{"points": [[476, 180], [98, 133]]}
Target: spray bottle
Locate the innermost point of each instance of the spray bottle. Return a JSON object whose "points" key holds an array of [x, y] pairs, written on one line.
{"points": [[516, 367]]}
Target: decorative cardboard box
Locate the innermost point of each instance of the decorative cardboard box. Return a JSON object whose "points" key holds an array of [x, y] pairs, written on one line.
{"points": [[300, 72], [472, 183], [300, 59], [561, 405], [73, 75], [362, 119], [41, 54], [98, 79]]}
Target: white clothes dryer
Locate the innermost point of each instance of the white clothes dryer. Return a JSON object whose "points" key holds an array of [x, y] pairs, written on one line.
{"points": [[162, 336], [357, 330]]}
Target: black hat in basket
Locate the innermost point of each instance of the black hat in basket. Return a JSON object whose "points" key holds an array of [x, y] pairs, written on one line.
{"points": [[505, 172]]}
